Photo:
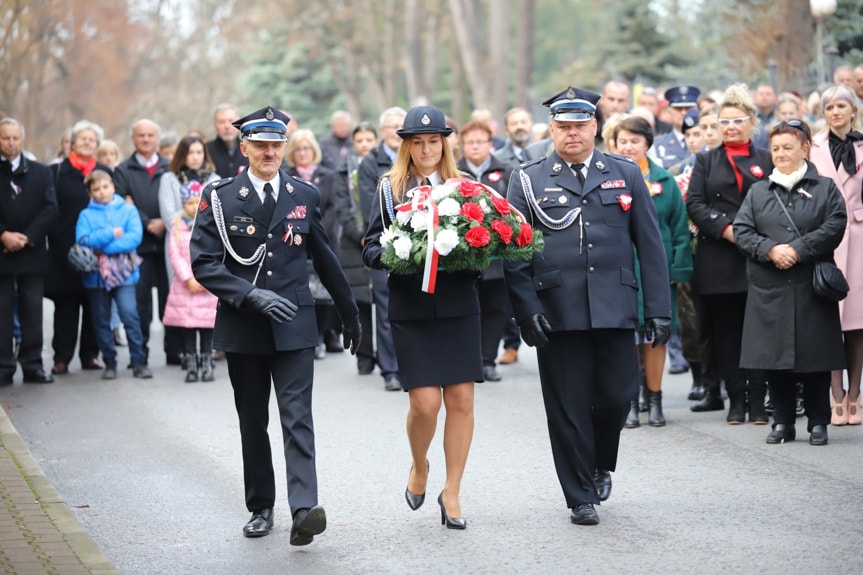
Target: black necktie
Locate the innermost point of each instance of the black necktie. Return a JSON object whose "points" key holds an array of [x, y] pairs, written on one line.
{"points": [[269, 202], [426, 181], [577, 168]]}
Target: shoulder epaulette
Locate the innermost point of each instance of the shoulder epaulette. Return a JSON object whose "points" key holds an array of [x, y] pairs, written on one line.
{"points": [[619, 157], [531, 162], [222, 182]]}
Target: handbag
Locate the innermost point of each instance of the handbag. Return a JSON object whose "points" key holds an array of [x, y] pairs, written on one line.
{"points": [[117, 268], [82, 258], [828, 281]]}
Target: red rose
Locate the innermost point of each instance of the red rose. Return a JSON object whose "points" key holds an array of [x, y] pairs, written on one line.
{"points": [[472, 211], [501, 205], [525, 235], [477, 237], [503, 230], [470, 189]]}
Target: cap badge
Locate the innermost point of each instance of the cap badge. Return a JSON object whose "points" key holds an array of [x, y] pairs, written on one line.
{"points": [[570, 93], [289, 187], [562, 199], [556, 168], [244, 191], [270, 115], [425, 120], [600, 165], [298, 240], [684, 89]]}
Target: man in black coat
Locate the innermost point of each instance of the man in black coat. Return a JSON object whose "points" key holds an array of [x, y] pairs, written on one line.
{"points": [[224, 149], [28, 209], [373, 167], [577, 301], [249, 246], [138, 179]]}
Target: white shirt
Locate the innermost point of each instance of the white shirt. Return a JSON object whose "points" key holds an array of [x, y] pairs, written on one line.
{"points": [[258, 183]]}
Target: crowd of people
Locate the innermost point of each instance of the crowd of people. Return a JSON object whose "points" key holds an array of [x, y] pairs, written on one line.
{"points": [[681, 234]]}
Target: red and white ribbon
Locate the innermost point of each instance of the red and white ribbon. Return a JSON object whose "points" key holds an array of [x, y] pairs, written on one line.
{"points": [[422, 199]]}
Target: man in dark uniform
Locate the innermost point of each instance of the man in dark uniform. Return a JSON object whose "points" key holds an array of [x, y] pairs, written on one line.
{"points": [[670, 149], [577, 301], [251, 239]]}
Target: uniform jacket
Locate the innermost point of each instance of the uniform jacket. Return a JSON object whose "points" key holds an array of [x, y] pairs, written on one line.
{"points": [[72, 197], [353, 228], [667, 150], [32, 212], [293, 235], [95, 229], [132, 180], [589, 282], [850, 252], [227, 164], [184, 308], [496, 176], [455, 292], [373, 167], [712, 203], [324, 180], [788, 326]]}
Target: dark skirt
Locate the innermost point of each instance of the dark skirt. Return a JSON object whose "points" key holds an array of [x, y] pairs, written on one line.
{"points": [[438, 352]]}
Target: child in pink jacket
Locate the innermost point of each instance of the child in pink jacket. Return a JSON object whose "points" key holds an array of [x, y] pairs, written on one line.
{"points": [[190, 307]]}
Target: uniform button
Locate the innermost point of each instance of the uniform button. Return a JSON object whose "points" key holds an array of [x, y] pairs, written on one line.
{"points": [[269, 254], [788, 228], [590, 269], [717, 195], [269, 273], [269, 236], [583, 201], [586, 224], [540, 284], [589, 246]]}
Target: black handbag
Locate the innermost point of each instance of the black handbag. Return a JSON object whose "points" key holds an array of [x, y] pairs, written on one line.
{"points": [[828, 281]]}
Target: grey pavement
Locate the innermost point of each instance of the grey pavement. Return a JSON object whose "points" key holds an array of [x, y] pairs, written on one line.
{"points": [[151, 469]]}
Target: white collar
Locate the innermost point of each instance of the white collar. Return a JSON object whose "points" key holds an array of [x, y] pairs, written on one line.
{"points": [[259, 183]]}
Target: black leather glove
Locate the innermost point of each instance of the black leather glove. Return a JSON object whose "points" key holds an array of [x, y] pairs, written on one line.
{"points": [[277, 308], [352, 333], [535, 330], [659, 329]]}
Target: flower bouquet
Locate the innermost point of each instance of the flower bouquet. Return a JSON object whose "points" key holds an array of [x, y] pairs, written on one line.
{"points": [[457, 226]]}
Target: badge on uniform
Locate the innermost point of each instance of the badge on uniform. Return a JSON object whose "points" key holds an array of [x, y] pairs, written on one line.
{"points": [[625, 201], [298, 213], [600, 165], [289, 234], [495, 177], [655, 189], [757, 171], [250, 230], [556, 168], [612, 184], [203, 205], [244, 192], [289, 187]]}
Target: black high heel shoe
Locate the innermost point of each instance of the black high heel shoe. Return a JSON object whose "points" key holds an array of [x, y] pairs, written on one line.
{"points": [[450, 522], [415, 501]]}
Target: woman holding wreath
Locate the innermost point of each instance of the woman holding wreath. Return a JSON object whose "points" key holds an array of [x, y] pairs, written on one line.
{"points": [[437, 335]]}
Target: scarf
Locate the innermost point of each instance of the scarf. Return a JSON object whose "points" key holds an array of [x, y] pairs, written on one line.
{"points": [[788, 181], [83, 165], [186, 175], [307, 173], [842, 151], [732, 150]]}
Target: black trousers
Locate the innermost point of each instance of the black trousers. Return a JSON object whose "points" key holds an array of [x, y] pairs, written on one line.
{"points": [[290, 373], [68, 308], [31, 287], [189, 337], [720, 324], [588, 379], [783, 392], [492, 304]]}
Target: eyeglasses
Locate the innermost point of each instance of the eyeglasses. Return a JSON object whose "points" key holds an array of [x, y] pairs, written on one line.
{"points": [[798, 125], [725, 122], [475, 142]]}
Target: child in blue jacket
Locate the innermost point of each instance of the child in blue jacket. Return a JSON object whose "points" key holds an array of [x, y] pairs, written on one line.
{"points": [[112, 227]]}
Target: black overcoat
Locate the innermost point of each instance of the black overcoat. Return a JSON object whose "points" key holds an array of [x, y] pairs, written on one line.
{"points": [[31, 211]]}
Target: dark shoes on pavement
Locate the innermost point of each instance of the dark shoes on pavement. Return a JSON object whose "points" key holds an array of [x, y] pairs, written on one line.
{"points": [[392, 383], [818, 435], [584, 514], [38, 376], [308, 523], [602, 480], [781, 434], [712, 401], [260, 524], [91, 363], [60, 368], [141, 372], [110, 371], [490, 373]]}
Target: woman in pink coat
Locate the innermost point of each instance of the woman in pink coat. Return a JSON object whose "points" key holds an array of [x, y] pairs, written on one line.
{"points": [[837, 152], [190, 307]]}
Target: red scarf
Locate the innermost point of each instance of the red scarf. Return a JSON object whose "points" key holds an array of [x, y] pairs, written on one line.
{"points": [[83, 165], [732, 150]]}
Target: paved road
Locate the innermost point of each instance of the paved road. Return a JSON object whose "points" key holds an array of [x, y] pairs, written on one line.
{"points": [[152, 470]]}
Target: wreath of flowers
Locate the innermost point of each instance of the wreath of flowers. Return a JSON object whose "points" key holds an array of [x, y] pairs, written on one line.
{"points": [[468, 224]]}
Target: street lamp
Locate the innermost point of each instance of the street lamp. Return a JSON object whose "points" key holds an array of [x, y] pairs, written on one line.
{"points": [[820, 9]]}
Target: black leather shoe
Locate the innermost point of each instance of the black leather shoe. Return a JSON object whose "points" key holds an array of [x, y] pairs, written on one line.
{"points": [[38, 376], [696, 393], [782, 434], [450, 522], [365, 367], [392, 383], [416, 501], [711, 401], [818, 435], [307, 524], [490, 373], [584, 514], [632, 419], [602, 480], [260, 523]]}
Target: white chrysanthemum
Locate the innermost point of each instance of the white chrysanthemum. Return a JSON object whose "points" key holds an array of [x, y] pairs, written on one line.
{"points": [[484, 205], [448, 207], [446, 241], [402, 245], [442, 192], [403, 217], [453, 221], [387, 237], [419, 221]]}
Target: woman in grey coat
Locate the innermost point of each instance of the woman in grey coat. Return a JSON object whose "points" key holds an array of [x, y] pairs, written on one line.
{"points": [[789, 331]]}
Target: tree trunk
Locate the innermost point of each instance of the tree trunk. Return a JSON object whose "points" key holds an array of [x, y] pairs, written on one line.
{"points": [[498, 51], [524, 53], [464, 25]]}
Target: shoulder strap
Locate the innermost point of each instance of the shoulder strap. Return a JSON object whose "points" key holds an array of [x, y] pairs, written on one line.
{"points": [[787, 215]]}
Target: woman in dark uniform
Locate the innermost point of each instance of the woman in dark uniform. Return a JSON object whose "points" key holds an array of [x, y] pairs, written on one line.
{"points": [[437, 336]]}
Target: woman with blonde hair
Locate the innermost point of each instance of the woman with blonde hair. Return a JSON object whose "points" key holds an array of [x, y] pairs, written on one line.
{"points": [[437, 336], [837, 152]]}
